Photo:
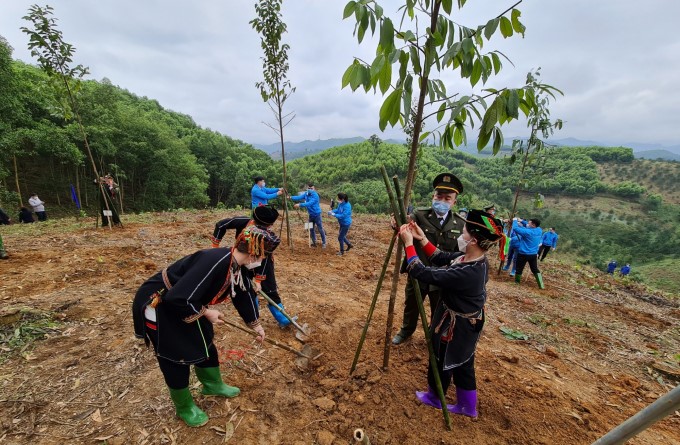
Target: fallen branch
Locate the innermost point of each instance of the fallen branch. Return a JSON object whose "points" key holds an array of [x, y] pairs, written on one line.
{"points": [[579, 294], [267, 339]]}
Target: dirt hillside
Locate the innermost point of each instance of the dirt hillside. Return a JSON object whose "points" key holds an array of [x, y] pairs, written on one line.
{"points": [[598, 349]]}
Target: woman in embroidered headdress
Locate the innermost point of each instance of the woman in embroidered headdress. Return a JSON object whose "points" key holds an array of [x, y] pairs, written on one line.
{"points": [[171, 310], [459, 317]]}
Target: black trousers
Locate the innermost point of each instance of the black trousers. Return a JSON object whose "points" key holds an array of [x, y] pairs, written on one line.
{"points": [[463, 376], [176, 375], [269, 286], [522, 260], [543, 251], [411, 313]]}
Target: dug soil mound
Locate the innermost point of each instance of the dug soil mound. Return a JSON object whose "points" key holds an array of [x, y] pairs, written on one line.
{"points": [[558, 366]]}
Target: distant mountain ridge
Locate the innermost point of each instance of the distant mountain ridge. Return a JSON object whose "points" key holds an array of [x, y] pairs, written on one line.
{"points": [[296, 150]]}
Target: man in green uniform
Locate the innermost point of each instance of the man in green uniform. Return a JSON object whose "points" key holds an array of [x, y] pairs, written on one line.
{"points": [[442, 230]]}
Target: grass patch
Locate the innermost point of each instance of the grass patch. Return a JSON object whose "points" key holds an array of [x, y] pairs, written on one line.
{"points": [[662, 275], [21, 328]]}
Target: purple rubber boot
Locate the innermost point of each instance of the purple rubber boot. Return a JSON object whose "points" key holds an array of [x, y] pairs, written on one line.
{"points": [[431, 398], [466, 403]]}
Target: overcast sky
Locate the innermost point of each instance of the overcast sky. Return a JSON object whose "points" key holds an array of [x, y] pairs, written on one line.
{"points": [[617, 61]]}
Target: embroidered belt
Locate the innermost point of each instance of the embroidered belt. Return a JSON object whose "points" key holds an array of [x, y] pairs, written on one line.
{"points": [[448, 335], [166, 280]]}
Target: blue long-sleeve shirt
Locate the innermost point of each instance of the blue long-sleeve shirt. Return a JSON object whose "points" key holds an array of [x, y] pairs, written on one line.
{"points": [[310, 201], [343, 213], [529, 238], [549, 239], [262, 195]]}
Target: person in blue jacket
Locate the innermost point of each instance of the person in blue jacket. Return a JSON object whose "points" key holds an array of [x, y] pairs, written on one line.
{"points": [[611, 267], [548, 241], [625, 270], [512, 251], [260, 194], [344, 215], [527, 249], [310, 201]]}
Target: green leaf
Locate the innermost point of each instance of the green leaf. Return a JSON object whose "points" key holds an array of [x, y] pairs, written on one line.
{"points": [[497, 65], [447, 5], [347, 76], [512, 104], [490, 28], [516, 24], [349, 9], [476, 72], [363, 26], [389, 111], [457, 135], [513, 334], [482, 139], [506, 27], [497, 140], [490, 118], [441, 111], [387, 35], [377, 66], [415, 60], [468, 46], [385, 78], [378, 11], [424, 136]]}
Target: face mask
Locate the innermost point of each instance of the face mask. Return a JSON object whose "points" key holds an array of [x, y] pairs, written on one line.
{"points": [[441, 208], [264, 184], [254, 265], [462, 243]]}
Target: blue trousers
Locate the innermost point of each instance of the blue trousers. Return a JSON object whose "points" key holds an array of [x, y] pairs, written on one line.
{"points": [[342, 237], [318, 224]]}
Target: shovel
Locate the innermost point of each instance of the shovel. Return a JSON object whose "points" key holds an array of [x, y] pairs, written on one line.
{"points": [[303, 331]]}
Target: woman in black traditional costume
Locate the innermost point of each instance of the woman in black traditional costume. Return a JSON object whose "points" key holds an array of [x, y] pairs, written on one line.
{"points": [[171, 311], [459, 317]]}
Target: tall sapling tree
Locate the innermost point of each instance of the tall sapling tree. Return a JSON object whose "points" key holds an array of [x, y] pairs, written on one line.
{"points": [[275, 88]]}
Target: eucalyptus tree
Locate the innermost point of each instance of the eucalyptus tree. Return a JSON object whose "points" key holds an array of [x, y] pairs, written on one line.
{"points": [[538, 120], [55, 56], [8, 109], [275, 88]]}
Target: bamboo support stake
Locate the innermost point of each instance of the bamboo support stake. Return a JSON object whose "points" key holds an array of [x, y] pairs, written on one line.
{"points": [[267, 339], [373, 303], [423, 320], [395, 273]]}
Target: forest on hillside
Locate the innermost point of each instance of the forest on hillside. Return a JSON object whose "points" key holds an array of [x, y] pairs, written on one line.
{"points": [[161, 159]]}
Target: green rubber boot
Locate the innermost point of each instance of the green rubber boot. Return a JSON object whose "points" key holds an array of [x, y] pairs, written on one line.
{"points": [[539, 280], [518, 278], [186, 409], [211, 378]]}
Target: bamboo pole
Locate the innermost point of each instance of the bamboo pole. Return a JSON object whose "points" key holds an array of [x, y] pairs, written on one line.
{"points": [[373, 303], [659, 409], [423, 320], [395, 272]]}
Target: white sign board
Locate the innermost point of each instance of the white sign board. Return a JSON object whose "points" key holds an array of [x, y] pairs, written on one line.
{"points": [[309, 225], [107, 212]]}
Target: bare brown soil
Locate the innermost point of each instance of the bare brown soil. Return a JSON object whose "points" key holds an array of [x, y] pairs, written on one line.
{"points": [[598, 350]]}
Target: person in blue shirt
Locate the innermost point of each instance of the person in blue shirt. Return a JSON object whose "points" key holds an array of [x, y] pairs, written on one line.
{"points": [[512, 251], [611, 267], [260, 194], [310, 201], [344, 215], [549, 241], [625, 270], [527, 249]]}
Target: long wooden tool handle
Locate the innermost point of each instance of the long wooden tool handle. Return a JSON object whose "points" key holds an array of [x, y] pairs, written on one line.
{"points": [[272, 302], [267, 339]]}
